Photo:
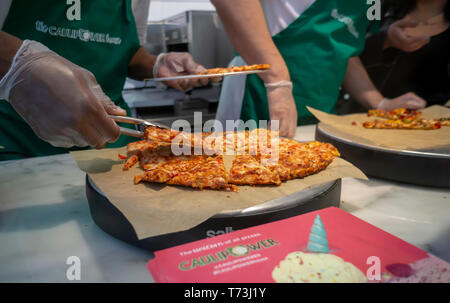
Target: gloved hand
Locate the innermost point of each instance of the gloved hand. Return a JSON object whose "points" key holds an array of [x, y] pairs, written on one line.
{"points": [[179, 64], [408, 100], [282, 107], [61, 101], [397, 37]]}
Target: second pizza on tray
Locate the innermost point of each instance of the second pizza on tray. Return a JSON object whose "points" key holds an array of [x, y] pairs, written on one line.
{"points": [[258, 157], [402, 118]]}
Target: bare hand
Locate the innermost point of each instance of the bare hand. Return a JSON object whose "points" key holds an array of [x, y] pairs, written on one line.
{"points": [[408, 100], [398, 38]]}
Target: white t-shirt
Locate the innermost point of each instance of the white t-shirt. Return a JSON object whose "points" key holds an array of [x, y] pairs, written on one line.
{"points": [[140, 11], [279, 15]]}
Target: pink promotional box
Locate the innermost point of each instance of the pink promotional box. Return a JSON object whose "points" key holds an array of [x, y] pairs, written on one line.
{"points": [[329, 245]]}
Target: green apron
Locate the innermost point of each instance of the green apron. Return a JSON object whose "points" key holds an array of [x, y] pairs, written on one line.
{"points": [[101, 36], [316, 48]]}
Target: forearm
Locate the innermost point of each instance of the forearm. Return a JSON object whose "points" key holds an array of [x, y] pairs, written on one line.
{"points": [[9, 45], [141, 65], [245, 24], [359, 85]]}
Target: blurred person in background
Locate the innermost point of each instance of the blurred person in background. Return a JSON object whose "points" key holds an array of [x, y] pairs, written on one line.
{"points": [[312, 47], [410, 56]]}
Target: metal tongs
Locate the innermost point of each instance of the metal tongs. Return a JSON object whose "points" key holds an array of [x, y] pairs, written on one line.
{"points": [[135, 121]]}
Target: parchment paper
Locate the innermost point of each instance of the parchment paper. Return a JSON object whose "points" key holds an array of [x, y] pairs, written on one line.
{"points": [[155, 209], [401, 139]]}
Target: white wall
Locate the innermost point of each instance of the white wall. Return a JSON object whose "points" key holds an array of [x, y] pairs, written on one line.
{"points": [[161, 9]]}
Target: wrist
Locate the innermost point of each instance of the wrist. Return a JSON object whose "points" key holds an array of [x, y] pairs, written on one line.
{"points": [[374, 99], [382, 103], [156, 64], [274, 85], [276, 75]]}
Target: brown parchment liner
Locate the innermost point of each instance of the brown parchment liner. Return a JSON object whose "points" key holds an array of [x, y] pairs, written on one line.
{"points": [[351, 127], [155, 209]]}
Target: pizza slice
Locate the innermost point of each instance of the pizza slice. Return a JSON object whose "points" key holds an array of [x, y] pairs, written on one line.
{"points": [[250, 170], [191, 171], [157, 134], [233, 69], [304, 159], [250, 67], [139, 150]]}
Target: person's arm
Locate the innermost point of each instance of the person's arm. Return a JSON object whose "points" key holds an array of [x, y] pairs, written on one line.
{"points": [[245, 24], [359, 85], [61, 101], [144, 65], [141, 65]]}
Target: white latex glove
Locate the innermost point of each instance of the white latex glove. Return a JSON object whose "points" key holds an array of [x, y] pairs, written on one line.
{"points": [[61, 101], [178, 64], [282, 107], [408, 100]]}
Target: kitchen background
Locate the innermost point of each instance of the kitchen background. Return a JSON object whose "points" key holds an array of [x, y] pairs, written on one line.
{"points": [[191, 26]]}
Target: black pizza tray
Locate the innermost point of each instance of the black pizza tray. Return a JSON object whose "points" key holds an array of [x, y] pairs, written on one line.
{"points": [[113, 222], [421, 167]]}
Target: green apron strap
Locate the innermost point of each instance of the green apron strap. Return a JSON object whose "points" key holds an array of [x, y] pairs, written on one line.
{"points": [[99, 35], [316, 48]]}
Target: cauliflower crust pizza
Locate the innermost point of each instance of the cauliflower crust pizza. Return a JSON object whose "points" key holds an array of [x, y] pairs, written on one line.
{"points": [[258, 157], [402, 118], [234, 69]]}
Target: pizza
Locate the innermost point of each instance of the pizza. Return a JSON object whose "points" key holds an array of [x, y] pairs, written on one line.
{"points": [[402, 118], [195, 171], [402, 124], [396, 114], [234, 69], [254, 161]]}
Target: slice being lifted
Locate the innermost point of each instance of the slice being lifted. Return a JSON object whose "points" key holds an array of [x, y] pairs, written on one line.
{"points": [[234, 69]]}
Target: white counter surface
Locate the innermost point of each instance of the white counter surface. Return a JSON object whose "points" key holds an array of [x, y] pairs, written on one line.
{"points": [[45, 218]]}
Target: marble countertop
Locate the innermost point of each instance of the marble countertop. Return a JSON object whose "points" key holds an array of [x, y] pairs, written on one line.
{"points": [[45, 219]]}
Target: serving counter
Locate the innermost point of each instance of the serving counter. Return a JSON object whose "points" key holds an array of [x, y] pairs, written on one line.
{"points": [[45, 219]]}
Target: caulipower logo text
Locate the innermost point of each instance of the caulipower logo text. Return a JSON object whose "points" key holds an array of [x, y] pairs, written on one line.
{"points": [[234, 251], [84, 35], [236, 138]]}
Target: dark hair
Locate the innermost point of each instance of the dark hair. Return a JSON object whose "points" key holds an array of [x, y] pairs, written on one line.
{"points": [[400, 8]]}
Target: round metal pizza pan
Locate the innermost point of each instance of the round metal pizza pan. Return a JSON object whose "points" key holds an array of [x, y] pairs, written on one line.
{"points": [[420, 167], [113, 222]]}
